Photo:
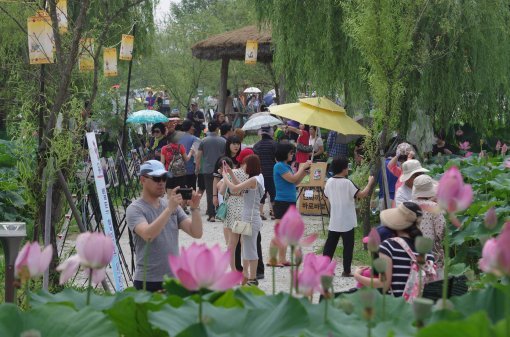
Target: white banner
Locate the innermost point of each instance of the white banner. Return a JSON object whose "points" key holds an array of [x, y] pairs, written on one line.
{"points": [[104, 205]]}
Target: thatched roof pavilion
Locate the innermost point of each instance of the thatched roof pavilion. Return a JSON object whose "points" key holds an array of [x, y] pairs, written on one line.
{"points": [[232, 45]]}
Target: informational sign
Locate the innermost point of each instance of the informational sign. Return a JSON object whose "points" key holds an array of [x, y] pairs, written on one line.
{"points": [[86, 56], [110, 62], [62, 15], [40, 39], [316, 176], [126, 47], [104, 205], [250, 57], [312, 201]]}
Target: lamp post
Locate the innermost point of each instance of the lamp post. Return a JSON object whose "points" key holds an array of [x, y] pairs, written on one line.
{"points": [[11, 235]]}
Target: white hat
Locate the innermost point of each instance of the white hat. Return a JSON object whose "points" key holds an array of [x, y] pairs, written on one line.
{"points": [[153, 168], [401, 217], [424, 187], [411, 167]]}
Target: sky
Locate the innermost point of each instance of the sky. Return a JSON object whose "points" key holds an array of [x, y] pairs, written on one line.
{"points": [[163, 9]]}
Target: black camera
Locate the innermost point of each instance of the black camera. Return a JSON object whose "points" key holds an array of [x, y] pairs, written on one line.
{"points": [[186, 192]]}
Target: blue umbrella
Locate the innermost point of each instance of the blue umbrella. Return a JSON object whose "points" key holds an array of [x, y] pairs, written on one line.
{"points": [[147, 117], [269, 98]]}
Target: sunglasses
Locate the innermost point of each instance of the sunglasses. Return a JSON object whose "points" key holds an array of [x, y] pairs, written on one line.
{"points": [[156, 179]]}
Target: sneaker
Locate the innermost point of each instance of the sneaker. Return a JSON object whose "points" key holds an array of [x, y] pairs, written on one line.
{"points": [[252, 283], [260, 276]]}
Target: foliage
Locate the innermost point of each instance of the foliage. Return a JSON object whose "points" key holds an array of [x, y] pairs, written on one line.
{"points": [[247, 311], [12, 202]]}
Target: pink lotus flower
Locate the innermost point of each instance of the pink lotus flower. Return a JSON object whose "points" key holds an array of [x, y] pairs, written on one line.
{"points": [[464, 146], [289, 231], [489, 262], [452, 194], [498, 146], [374, 240], [504, 149], [459, 132], [314, 267], [200, 267], [468, 154], [507, 163], [503, 249], [31, 262], [94, 252], [491, 219]]}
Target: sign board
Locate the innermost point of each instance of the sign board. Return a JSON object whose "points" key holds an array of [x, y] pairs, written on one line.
{"points": [[40, 39], [316, 177], [62, 15], [250, 57], [110, 62], [312, 201], [104, 205], [86, 56], [126, 47]]}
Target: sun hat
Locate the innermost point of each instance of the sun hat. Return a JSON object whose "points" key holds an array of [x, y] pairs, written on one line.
{"points": [[424, 187], [400, 218], [153, 168], [410, 167], [243, 154]]}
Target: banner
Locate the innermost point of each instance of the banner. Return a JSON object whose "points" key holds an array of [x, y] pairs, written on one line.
{"points": [[104, 205], [126, 47], [40, 39], [62, 15], [86, 58], [251, 52], [110, 62]]}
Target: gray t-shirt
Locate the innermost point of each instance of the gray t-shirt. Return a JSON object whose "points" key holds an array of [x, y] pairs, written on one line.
{"points": [[167, 242], [212, 147]]}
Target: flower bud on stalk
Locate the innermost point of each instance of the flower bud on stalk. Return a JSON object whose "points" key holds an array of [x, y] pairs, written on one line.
{"points": [[367, 297], [298, 253], [379, 265], [423, 245], [491, 219], [327, 285], [345, 305], [374, 240], [421, 309]]}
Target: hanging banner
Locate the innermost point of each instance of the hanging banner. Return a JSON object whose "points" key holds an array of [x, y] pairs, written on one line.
{"points": [[250, 57], [62, 15], [86, 59], [40, 39], [126, 47], [110, 62], [104, 205]]}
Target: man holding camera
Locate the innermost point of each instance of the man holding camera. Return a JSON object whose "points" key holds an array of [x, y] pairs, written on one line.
{"points": [[155, 222]]}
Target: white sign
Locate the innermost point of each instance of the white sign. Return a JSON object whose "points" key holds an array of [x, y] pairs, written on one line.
{"points": [[104, 205]]}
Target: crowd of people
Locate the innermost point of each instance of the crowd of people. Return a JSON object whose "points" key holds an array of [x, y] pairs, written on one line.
{"points": [[242, 177]]}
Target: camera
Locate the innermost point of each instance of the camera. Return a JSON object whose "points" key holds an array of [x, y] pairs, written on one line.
{"points": [[186, 192]]}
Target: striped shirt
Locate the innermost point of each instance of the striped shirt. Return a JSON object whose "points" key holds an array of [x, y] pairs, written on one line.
{"points": [[401, 263]]}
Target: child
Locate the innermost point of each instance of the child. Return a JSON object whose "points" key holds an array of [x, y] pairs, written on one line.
{"points": [[342, 193]]}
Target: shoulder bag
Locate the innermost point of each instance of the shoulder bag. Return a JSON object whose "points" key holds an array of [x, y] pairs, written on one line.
{"points": [[243, 227], [221, 211]]}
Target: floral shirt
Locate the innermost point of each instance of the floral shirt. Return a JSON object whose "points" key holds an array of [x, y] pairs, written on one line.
{"points": [[433, 226]]}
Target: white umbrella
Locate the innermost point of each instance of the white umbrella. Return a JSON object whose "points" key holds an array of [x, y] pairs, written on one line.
{"points": [[252, 90], [260, 121]]}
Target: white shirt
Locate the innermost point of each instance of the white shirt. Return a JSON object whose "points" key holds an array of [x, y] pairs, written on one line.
{"points": [[316, 143], [403, 194], [341, 193]]}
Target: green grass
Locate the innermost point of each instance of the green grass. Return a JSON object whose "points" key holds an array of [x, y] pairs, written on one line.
{"points": [[360, 257]]}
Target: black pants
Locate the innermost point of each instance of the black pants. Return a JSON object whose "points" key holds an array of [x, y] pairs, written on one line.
{"points": [[208, 180], [150, 286], [348, 243], [238, 259]]}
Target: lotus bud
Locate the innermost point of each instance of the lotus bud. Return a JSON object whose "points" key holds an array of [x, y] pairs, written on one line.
{"points": [[374, 240], [379, 265], [273, 253], [491, 219], [423, 245], [422, 308], [498, 146], [345, 305], [326, 283], [367, 296], [504, 149]]}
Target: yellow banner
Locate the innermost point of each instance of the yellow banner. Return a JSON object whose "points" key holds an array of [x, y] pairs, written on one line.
{"points": [[110, 62], [62, 15], [40, 39], [126, 47], [86, 56], [251, 52]]}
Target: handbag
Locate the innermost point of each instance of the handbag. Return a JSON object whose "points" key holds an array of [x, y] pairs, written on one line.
{"points": [[243, 227], [221, 211], [304, 148]]}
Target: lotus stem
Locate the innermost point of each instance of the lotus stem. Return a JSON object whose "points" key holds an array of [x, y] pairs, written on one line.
{"points": [[291, 268], [89, 288], [273, 280], [200, 306], [371, 271], [446, 242], [326, 298], [27, 290]]}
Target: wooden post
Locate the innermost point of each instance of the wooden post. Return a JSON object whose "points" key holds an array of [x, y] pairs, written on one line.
{"points": [[223, 84], [126, 107]]}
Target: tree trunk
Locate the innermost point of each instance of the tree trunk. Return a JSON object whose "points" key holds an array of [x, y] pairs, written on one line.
{"points": [[223, 84]]}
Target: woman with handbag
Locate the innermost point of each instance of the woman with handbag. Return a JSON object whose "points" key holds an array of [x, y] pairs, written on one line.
{"points": [[250, 224], [304, 150]]}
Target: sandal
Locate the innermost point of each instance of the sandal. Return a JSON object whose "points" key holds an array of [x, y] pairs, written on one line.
{"points": [[286, 264], [271, 214], [253, 282], [278, 265]]}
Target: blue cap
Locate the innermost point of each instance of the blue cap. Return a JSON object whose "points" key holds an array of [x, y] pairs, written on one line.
{"points": [[153, 168]]}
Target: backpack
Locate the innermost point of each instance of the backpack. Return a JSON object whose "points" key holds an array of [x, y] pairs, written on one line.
{"points": [[177, 167], [428, 273]]}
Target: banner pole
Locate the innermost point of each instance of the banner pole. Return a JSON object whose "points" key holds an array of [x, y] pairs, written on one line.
{"points": [[124, 136]]}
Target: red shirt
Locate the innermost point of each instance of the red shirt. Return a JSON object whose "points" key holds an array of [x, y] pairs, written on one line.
{"points": [[304, 138], [168, 152]]}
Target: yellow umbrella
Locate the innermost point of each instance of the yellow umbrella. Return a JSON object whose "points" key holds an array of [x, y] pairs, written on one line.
{"points": [[320, 112]]}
